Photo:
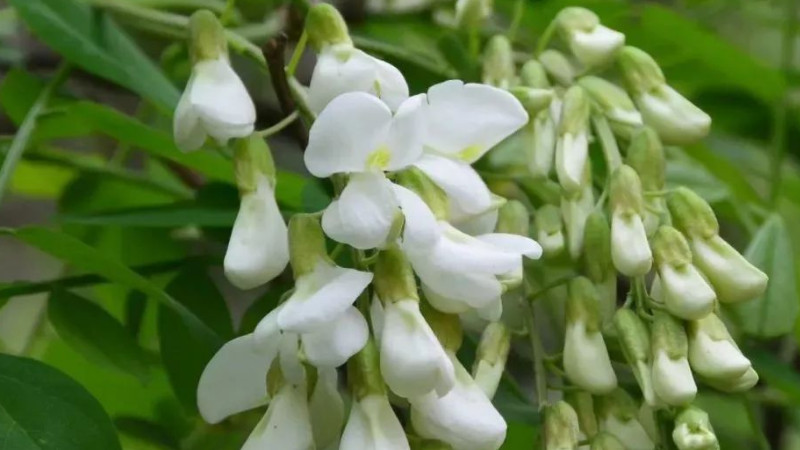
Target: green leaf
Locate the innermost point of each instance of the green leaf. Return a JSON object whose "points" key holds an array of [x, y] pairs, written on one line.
{"points": [[43, 409], [195, 290], [82, 256], [168, 216], [774, 313], [776, 374], [96, 334], [91, 40]]}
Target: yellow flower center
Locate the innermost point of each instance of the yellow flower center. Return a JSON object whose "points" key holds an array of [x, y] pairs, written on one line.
{"points": [[469, 153], [379, 159]]}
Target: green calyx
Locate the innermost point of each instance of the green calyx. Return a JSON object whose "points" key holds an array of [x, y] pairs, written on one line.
{"points": [[206, 37], [498, 62], [575, 111], [669, 336], [606, 95], [625, 191], [548, 219], [557, 66], [597, 262], [394, 277], [641, 72], [583, 303], [252, 160], [513, 218], [633, 335], [691, 214], [495, 344], [575, 18], [364, 372], [325, 26], [416, 180], [711, 325], [646, 156], [560, 426], [619, 404], [306, 244], [533, 75], [582, 403], [533, 99], [446, 327], [670, 247]]}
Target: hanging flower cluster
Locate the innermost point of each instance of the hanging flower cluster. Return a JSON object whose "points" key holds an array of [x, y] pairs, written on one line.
{"points": [[445, 250]]}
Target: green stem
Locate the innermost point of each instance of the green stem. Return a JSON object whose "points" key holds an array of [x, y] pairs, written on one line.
{"points": [[280, 126], [23, 136], [781, 110], [755, 423], [519, 11], [229, 13], [608, 142], [297, 54], [539, 371], [545, 38]]}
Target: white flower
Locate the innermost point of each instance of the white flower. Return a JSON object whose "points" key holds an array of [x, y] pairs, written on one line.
{"points": [[712, 352], [686, 294], [358, 134], [630, 250], [464, 121], [326, 408], [258, 249], [586, 360], [287, 423], [734, 278], [672, 379], [413, 361], [215, 103], [373, 426], [464, 418], [675, 119], [341, 68], [595, 46]]}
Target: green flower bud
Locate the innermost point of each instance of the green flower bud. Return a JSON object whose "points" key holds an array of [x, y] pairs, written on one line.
{"points": [[558, 67], [572, 146], [612, 101], [597, 254], [513, 218], [576, 18], [618, 414], [206, 37], [575, 111], [575, 210], [472, 13], [533, 99], [625, 191], [641, 72], [364, 372], [550, 229], [306, 243], [490, 361], [671, 248], [498, 62], [734, 278], [591, 43], [560, 427], [713, 354], [582, 403], [669, 336], [734, 385], [252, 160], [325, 26], [416, 180], [693, 431], [606, 441], [540, 134], [634, 339], [582, 303], [394, 278], [691, 214], [532, 74], [646, 156], [446, 327]]}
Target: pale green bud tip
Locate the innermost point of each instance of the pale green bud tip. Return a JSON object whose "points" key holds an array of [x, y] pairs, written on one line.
{"points": [[394, 278], [693, 431], [533, 75], [446, 327], [575, 18], [548, 219], [691, 214], [513, 218], [558, 66], [306, 243], [607, 95], [364, 372], [669, 336], [583, 303], [625, 191], [206, 36], [619, 404], [646, 156], [532, 99], [582, 403], [560, 426], [606, 441], [495, 344], [252, 160], [325, 26], [416, 180], [597, 248], [670, 247], [633, 335], [575, 111], [471, 13], [640, 70], [498, 62]]}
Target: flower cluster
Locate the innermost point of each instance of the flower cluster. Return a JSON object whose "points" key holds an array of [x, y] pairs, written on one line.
{"points": [[432, 247]]}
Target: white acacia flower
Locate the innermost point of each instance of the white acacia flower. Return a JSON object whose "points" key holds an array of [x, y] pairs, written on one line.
{"points": [[630, 432], [258, 249], [341, 68], [586, 360], [464, 418], [595, 46], [287, 423], [672, 379], [215, 103], [734, 278], [676, 119], [373, 426], [412, 360], [464, 121], [630, 250], [712, 352], [686, 294], [357, 134]]}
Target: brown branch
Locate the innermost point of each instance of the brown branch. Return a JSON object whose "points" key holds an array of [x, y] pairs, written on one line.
{"points": [[274, 51]]}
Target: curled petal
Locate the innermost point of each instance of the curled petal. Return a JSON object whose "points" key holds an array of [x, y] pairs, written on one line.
{"points": [[465, 189], [334, 343]]}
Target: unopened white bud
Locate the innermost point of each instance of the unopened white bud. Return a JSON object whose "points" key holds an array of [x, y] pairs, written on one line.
{"points": [[634, 339], [618, 416], [498, 63], [575, 210], [630, 250], [472, 13], [693, 431], [558, 67], [614, 103], [491, 357], [672, 376], [741, 384], [549, 230], [560, 427], [734, 278], [572, 146], [592, 43], [542, 135], [712, 352]]}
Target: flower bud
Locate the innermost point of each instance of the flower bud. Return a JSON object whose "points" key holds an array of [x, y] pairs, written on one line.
{"points": [[364, 372], [575, 210], [533, 100], [597, 257], [394, 278], [373, 424], [472, 13], [606, 441], [686, 293], [433, 196], [693, 431], [325, 26], [586, 360], [712, 352], [614, 103], [672, 377], [206, 37], [513, 218], [532, 74], [490, 361], [629, 248], [618, 414], [635, 342], [541, 132], [498, 63], [590, 42], [741, 384], [550, 230], [691, 214], [640, 70], [572, 146], [560, 427], [646, 156], [558, 67], [306, 243], [446, 327], [582, 403], [734, 278]]}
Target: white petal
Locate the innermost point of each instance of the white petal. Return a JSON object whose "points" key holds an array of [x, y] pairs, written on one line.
{"points": [[465, 189], [465, 289], [454, 305], [287, 423], [630, 250], [460, 251], [334, 343], [390, 85], [340, 69], [676, 120], [267, 330], [363, 214], [686, 294], [289, 356], [716, 358], [406, 134], [320, 296], [413, 361], [326, 407], [734, 278], [221, 101], [672, 379], [234, 380], [543, 147], [376, 316], [464, 418], [597, 46], [492, 311], [586, 360], [188, 131], [514, 244], [482, 223], [421, 228], [373, 426], [346, 133], [466, 120], [572, 156], [258, 249]]}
